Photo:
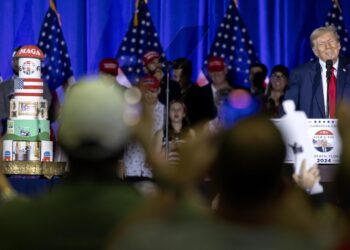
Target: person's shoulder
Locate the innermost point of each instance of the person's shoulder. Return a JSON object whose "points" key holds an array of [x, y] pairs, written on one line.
{"points": [[304, 68], [344, 62], [7, 82]]}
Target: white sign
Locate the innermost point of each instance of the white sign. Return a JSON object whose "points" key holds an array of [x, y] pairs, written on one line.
{"points": [[324, 136]]}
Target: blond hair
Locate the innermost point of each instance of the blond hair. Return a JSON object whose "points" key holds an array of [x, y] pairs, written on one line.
{"points": [[321, 30]]}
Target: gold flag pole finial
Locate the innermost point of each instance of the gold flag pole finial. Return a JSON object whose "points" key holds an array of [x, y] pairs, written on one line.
{"points": [[53, 7], [235, 3], [136, 18], [336, 2]]}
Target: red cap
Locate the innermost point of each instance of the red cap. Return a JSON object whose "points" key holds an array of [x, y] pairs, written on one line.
{"points": [[109, 66], [150, 56], [150, 82], [215, 64], [30, 51]]}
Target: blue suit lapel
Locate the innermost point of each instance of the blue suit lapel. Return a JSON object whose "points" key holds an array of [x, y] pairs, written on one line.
{"points": [[317, 89], [341, 79]]}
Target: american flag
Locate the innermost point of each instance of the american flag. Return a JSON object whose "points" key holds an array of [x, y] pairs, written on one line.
{"points": [[56, 68], [232, 43], [335, 18], [19, 83], [31, 87], [140, 38]]}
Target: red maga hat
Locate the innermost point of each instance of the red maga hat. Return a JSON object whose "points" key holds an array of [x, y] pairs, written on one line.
{"points": [[109, 66], [150, 56], [150, 82], [216, 63]]}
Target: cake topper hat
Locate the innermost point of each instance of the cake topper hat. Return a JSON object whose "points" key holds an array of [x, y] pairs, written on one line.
{"points": [[30, 51]]}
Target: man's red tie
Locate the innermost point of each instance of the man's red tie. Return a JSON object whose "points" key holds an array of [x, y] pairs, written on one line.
{"points": [[332, 95]]}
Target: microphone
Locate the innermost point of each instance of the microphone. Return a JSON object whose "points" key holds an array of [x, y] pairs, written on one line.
{"points": [[329, 66], [167, 64]]}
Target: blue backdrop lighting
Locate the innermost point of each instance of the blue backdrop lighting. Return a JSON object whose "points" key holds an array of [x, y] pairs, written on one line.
{"points": [[94, 29]]}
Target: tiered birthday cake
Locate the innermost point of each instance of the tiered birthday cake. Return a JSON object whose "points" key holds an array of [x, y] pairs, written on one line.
{"points": [[28, 130]]}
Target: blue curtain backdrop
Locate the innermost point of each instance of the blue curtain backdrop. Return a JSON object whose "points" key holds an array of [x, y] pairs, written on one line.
{"points": [[94, 29]]}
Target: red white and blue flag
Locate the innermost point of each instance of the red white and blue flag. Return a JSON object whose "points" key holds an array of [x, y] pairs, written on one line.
{"points": [[56, 68]]}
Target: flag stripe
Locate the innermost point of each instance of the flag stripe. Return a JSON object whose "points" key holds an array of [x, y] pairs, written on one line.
{"points": [[32, 79], [33, 87], [28, 94], [30, 91]]}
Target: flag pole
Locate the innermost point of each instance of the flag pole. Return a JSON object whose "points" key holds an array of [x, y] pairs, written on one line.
{"points": [[337, 4]]}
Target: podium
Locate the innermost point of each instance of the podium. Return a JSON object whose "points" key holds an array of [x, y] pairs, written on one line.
{"points": [[326, 146]]}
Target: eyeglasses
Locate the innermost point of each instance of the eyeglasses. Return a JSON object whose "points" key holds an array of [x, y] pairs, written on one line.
{"points": [[280, 76]]}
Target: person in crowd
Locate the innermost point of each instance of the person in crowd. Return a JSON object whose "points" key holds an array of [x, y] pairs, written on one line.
{"points": [[179, 132], [257, 75], [276, 89], [218, 123], [182, 73], [7, 92], [80, 213], [255, 203], [308, 83], [153, 67], [136, 167], [252, 189], [108, 67], [204, 108]]}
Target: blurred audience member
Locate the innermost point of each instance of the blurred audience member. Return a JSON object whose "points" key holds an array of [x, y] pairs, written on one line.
{"points": [[256, 210], [251, 186], [342, 178]]}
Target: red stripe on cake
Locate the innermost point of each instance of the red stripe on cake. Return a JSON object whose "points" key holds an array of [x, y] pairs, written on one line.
{"points": [[33, 87], [29, 94], [32, 79]]}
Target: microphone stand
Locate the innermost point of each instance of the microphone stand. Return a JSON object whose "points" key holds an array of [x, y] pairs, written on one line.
{"points": [[329, 66], [167, 68], [328, 76]]}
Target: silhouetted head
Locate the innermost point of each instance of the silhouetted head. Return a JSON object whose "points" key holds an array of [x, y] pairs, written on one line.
{"points": [[249, 163], [94, 125]]}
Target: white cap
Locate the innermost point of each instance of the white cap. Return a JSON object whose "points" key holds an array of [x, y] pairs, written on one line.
{"points": [[92, 120]]}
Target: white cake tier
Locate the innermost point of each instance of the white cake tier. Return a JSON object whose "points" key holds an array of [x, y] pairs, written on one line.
{"points": [[28, 109], [27, 151]]}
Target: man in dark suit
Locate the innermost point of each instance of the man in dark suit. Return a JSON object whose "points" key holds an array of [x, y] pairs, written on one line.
{"points": [[308, 83], [203, 105]]}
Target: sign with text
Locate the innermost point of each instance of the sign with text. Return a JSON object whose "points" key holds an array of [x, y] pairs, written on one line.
{"points": [[324, 137]]}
